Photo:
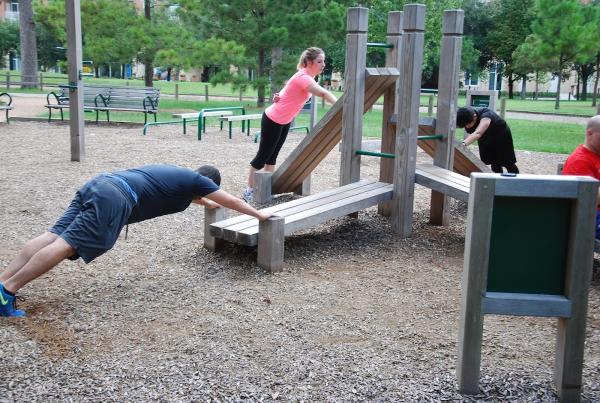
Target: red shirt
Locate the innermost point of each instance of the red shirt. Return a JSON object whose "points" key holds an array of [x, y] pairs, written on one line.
{"points": [[583, 162]]}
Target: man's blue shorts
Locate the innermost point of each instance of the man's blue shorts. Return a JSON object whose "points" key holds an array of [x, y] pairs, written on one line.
{"points": [[92, 222]]}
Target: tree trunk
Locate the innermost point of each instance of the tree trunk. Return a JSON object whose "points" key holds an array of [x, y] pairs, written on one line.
{"points": [[261, 73], [29, 57], [148, 71], [537, 85], [276, 56], [524, 88], [584, 83], [559, 75], [578, 80], [595, 97], [511, 83]]}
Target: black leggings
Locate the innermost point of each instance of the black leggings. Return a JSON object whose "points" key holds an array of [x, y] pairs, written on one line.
{"points": [[272, 137], [511, 168]]}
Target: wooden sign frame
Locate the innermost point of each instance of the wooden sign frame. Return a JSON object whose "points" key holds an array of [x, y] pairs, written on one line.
{"points": [[568, 304]]}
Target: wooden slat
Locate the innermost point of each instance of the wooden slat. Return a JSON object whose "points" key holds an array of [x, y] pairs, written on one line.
{"points": [[443, 181], [320, 214], [217, 228], [230, 232]]}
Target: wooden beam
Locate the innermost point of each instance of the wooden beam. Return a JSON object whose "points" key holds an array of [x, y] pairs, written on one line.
{"points": [[74, 68], [407, 110]]}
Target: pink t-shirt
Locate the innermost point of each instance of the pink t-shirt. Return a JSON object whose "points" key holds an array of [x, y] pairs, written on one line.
{"points": [[291, 98], [583, 162]]}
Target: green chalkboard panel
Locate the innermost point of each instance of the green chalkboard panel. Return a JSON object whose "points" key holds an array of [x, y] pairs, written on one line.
{"points": [[528, 246], [480, 101]]}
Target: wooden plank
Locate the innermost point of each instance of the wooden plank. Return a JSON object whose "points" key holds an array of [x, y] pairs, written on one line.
{"points": [[317, 215], [450, 53], [236, 118], [504, 303], [477, 250], [354, 89], [407, 110], [538, 186], [570, 342], [217, 228], [449, 185], [388, 133], [230, 232]]}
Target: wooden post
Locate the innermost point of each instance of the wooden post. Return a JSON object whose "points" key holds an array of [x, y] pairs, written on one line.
{"points": [[570, 340], [450, 53], [262, 187], [388, 132], [430, 106], [271, 240], [213, 215], [74, 52], [176, 91], [241, 94], [8, 80], [206, 92], [354, 95], [503, 107], [470, 332], [407, 110], [41, 81]]}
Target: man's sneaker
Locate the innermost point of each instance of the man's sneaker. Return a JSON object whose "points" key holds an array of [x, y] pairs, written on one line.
{"points": [[248, 195], [8, 305]]}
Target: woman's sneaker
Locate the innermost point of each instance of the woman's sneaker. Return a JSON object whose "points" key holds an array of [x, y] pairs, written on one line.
{"points": [[8, 305], [248, 195]]}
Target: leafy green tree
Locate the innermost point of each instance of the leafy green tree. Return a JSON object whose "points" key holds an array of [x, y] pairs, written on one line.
{"points": [[9, 38], [526, 60], [511, 25], [262, 26], [560, 41], [477, 55]]}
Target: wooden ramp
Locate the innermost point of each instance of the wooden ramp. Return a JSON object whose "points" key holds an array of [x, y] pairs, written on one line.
{"points": [[465, 162], [327, 134], [307, 211]]}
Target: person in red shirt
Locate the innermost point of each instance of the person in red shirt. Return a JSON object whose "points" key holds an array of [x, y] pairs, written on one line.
{"points": [[585, 160]]}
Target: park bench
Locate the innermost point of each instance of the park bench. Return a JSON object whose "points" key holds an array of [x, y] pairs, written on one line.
{"points": [[241, 118], [108, 98], [5, 104], [294, 216]]}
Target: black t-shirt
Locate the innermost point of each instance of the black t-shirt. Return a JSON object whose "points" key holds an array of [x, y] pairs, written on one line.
{"points": [[497, 130], [164, 189]]}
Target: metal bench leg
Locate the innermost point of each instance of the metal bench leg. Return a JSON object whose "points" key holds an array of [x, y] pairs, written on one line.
{"points": [[97, 116], [212, 215], [145, 118], [184, 125], [62, 116], [204, 125], [271, 238], [248, 127], [7, 121], [230, 123]]}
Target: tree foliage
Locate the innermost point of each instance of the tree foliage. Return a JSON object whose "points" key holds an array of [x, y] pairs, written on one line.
{"points": [[9, 38]]}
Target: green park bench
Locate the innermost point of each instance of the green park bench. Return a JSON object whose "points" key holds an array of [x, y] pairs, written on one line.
{"points": [[5, 103]]}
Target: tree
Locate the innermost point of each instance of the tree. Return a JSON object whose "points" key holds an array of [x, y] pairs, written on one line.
{"points": [[478, 20], [511, 25], [9, 38], [29, 60], [557, 40], [526, 60], [261, 26]]}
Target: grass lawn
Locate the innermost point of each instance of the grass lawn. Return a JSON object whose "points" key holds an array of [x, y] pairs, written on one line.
{"points": [[554, 137]]}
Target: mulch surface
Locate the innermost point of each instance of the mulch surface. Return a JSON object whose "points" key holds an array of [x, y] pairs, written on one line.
{"points": [[358, 314]]}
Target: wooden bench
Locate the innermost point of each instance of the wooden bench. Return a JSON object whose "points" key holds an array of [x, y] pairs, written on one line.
{"points": [[6, 104], [444, 181], [241, 118], [293, 216], [105, 99], [194, 116]]}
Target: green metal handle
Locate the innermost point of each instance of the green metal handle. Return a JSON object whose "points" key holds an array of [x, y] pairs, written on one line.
{"points": [[375, 154]]}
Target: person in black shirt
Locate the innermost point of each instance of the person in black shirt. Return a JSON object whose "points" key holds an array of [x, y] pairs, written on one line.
{"points": [[495, 139]]}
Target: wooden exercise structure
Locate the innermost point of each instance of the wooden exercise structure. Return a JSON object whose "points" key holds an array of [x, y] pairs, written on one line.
{"points": [[400, 84]]}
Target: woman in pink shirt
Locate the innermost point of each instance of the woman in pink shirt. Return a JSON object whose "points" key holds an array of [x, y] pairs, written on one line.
{"points": [[277, 118]]}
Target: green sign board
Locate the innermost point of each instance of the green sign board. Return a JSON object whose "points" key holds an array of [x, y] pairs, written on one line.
{"points": [[480, 101]]}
